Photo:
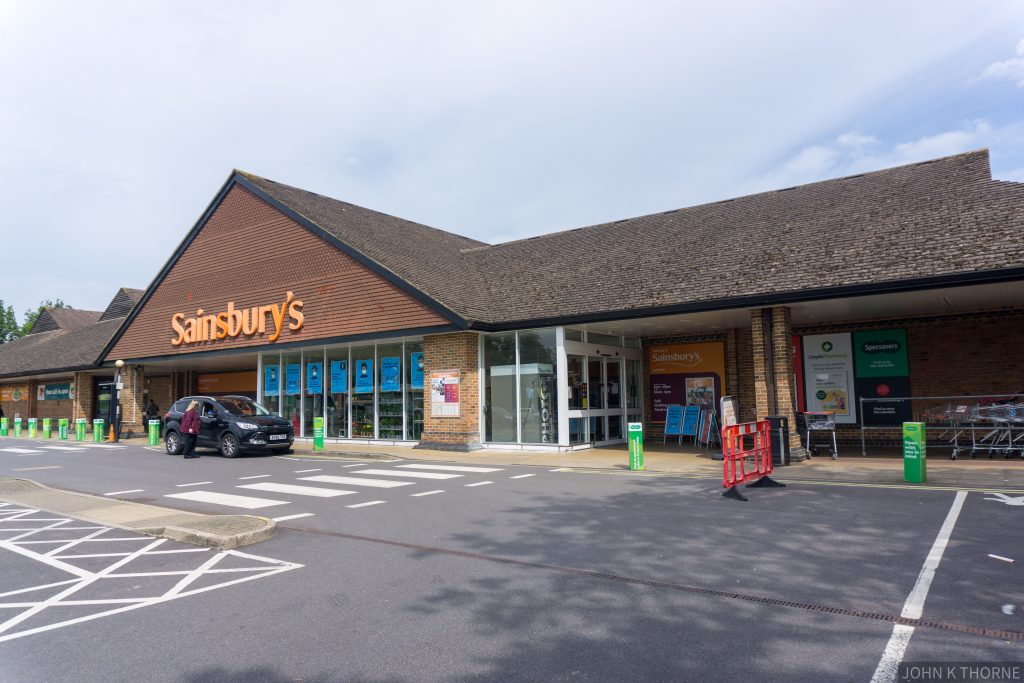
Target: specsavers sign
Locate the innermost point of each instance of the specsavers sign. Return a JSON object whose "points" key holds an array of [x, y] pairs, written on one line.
{"points": [[828, 375], [269, 321]]}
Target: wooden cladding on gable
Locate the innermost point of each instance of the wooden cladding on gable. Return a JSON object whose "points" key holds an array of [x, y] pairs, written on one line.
{"points": [[250, 253]]}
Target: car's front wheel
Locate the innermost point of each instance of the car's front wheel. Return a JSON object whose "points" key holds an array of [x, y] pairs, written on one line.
{"points": [[229, 445], [173, 442]]}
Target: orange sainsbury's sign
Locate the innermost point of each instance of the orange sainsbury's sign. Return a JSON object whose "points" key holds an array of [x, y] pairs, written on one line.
{"points": [[233, 322]]}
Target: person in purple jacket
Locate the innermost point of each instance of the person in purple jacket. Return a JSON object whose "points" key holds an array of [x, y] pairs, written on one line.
{"points": [[190, 428]]}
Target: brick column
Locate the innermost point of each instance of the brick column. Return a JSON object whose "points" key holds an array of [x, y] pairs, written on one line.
{"points": [[132, 407], [456, 351], [81, 406], [771, 333], [33, 402]]}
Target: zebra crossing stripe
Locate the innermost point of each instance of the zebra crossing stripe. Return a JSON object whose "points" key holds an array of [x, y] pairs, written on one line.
{"points": [[62, 448], [227, 499], [297, 490], [414, 475], [451, 468], [23, 451], [356, 481]]}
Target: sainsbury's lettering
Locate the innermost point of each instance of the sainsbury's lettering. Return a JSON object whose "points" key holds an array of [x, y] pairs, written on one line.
{"points": [[233, 322]]}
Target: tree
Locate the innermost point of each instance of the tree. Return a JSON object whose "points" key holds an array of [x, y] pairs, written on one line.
{"points": [[32, 314], [9, 328]]}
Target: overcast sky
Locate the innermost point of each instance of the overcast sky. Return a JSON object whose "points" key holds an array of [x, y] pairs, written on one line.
{"points": [[119, 121]]}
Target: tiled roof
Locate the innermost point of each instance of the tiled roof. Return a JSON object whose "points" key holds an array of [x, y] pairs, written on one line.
{"points": [[122, 303], [57, 350], [51, 318]]}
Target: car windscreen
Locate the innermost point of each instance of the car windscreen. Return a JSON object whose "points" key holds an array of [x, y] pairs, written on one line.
{"points": [[242, 407]]}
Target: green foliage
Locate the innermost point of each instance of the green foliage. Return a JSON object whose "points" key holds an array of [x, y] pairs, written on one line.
{"points": [[9, 328], [31, 314]]}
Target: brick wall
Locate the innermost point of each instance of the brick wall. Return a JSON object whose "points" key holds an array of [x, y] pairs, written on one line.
{"points": [[132, 407], [456, 351], [82, 404], [161, 390]]}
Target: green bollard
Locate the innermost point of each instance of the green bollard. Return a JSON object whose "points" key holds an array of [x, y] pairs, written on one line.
{"points": [[318, 433], [97, 429], [32, 422], [62, 429], [154, 432], [47, 428], [80, 425], [635, 431], [914, 448], [17, 428], [3, 426]]}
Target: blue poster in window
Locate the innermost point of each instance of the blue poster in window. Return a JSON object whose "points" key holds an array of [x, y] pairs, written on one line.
{"points": [[674, 420], [314, 378], [416, 370], [391, 373], [364, 376], [271, 382], [691, 415], [339, 376], [291, 378]]}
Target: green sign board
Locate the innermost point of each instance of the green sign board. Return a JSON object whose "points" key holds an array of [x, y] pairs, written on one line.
{"points": [[3, 426], [80, 426], [318, 433], [635, 432], [55, 392], [62, 429], [97, 429], [154, 432], [881, 353], [914, 452], [32, 424]]}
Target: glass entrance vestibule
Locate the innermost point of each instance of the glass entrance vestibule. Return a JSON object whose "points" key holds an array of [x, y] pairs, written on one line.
{"points": [[363, 391]]}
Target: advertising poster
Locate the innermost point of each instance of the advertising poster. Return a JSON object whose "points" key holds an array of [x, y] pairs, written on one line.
{"points": [[828, 375], [339, 376], [674, 420], [883, 370], [314, 378], [444, 393], [680, 372], [798, 373], [291, 379], [391, 373], [364, 376], [14, 392], [271, 381], [54, 392], [416, 369]]}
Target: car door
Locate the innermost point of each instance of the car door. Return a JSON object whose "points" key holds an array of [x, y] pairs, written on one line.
{"points": [[209, 424]]}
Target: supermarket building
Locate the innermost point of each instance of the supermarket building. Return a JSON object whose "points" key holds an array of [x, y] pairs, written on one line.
{"points": [[907, 282]]}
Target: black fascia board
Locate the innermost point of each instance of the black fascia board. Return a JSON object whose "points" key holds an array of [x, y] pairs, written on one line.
{"points": [[271, 348], [29, 374], [355, 254], [962, 279]]}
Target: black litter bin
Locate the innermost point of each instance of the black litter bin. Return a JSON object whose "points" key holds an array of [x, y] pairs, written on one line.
{"points": [[780, 439]]}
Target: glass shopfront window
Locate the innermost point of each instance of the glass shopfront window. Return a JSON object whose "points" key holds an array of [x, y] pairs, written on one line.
{"points": [[271, 383], [337, 393], [413, 390], [363, 391], [389, 383], [577, 382], [499, 352], [538, 396], [313, 389], [633, 384], [292, 389]]}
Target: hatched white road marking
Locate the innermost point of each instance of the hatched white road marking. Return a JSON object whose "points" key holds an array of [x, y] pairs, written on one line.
{"points": [[228, 499], [24, 451], [63, 448], [523, 476], [427, 493], [117, 493], [451, 468], [414, 475], [195, 483], [287, 517], [480, 483], [297, 490], [255, 476], [315, 469], [355, 481], [362, 505], [30, 469]]}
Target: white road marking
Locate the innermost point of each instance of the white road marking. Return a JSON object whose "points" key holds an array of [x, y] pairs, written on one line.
{"points": [[63, 448], [888, 665], [557, 469], [153, 552], [414, 475], [1009, 500], [297, 490], [356, 481], [30, 469], [358, 464], [117, 493], [287, 517], [451, 468], [195, 483], [23, 451], [100, 445], [427, 493], [1000, 557], [362, 505], [479, 483], [158, 450], [228, 499], [523, 476], [255, 476], [285, 457], [315, 469]]}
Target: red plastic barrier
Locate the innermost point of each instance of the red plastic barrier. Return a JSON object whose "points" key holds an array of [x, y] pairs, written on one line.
{"points": [[736, 460]]}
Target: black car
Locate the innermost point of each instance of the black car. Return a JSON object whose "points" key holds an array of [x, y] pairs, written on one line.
{"points": [[231, 424]]}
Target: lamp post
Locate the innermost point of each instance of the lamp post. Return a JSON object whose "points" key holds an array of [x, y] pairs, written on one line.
{"points": [[118, 364]]}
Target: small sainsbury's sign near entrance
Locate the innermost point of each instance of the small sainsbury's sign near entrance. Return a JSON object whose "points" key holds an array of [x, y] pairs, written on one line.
{"points": [[232, 322]]}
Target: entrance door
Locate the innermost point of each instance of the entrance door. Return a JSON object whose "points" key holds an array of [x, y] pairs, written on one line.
{"points": [[597, 417]]}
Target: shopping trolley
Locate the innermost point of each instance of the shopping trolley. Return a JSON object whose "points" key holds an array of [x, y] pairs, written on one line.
{"points": [[821, 422], [956, 423], [1000, 424]]}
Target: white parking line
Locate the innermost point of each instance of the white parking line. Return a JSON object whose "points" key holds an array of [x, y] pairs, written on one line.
{"points": [[414, 475], [117, 493], [23, 451], [228, 499], [358, 464], [255, 476], [30, 469], [362, 505], [316, 469], [427, 493], [479, 483], [451, 468], [287, 517], [356, 481], [523, 476], [62, 448], [297, 490], [195, 483]]}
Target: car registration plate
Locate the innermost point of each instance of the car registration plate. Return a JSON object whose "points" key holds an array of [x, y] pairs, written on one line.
{"points": [[278, 437]]}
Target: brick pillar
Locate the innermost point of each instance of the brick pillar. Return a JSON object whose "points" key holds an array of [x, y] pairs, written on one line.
{"points": [[456, 351], [132, 407], [771, 333], [81, 406], [33, 402], [732, 375]]}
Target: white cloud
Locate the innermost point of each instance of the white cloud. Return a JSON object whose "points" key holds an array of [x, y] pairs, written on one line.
{"points": [[1012, 69]]}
